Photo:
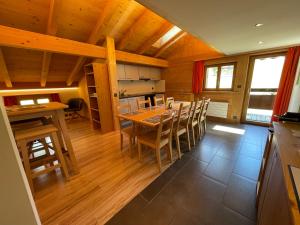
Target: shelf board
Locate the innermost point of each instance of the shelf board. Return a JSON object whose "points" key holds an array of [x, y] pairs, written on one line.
{"points": [[91, 86], [96, 121], [89, 73], [93, 96], [95, 109]]}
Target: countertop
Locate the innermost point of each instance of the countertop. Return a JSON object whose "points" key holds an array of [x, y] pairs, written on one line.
{"points": [[139, 94]]}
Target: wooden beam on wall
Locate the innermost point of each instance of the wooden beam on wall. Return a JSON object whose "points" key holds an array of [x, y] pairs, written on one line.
{"points": [[3, 71], [170, 43], [113, 81], [132, 29], [161, 32], [18, 38], [51, 30], [140, 59]]}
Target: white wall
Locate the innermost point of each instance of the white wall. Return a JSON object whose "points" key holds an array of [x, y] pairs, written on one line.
{"points": [[16, 203], [294, 105], [142, 86]]}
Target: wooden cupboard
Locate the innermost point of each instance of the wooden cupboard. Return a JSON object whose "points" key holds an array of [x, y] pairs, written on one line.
{"points": [[99, 101], [131, 72], [277, 202], [134, 72]]}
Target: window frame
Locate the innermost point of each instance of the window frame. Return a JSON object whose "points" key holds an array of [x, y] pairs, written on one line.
{"points": [[219, 66]]}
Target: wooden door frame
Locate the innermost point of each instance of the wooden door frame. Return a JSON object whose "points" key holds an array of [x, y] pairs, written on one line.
{"points": [[252, 59]]}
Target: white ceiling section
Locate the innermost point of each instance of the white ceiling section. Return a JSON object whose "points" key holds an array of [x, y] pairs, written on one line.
{"points": [[229, 26]]}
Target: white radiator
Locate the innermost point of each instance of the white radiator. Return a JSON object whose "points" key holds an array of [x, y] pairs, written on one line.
{"points": [[218, 109]]}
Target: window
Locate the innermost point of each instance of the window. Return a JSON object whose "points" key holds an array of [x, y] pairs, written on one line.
{"points": [[42, 100], [27, 102], [164, 39], [219, 77]]}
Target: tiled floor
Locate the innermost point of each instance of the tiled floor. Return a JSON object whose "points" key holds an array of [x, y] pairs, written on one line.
{"points": [[214, 184]]}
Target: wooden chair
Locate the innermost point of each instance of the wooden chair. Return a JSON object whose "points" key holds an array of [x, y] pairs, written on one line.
{"points": [[158, 139], [28, 135], [141, 104], [181, 126], [159, 101], [126, 127], [202, 120], [193, 122]]}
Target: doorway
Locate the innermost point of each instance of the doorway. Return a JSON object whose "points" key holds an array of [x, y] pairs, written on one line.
{"points": [[263, 82]]}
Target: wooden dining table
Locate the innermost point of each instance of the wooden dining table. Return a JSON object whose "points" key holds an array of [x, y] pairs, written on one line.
{"points": [[55, 110], [151, 116]]}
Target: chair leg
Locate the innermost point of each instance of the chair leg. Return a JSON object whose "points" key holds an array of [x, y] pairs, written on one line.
{"points": [[121, 136], [157, 151], [188, 139], [170, 149], [130, 145], [44, 143], [204, 126], [193, 135], [178, 147], [59, 154], [140, 151], [26, 163]]}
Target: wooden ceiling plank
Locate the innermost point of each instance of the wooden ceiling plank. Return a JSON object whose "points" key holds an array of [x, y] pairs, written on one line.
{"points": [[132, 29], [3, 71], [161, 32], [18, 38], [170, 43], [93, 39], [51, 30], [117, 22]]}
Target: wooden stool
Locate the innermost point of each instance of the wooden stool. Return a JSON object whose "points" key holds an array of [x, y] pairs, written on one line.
{"points": [[29, 135]]}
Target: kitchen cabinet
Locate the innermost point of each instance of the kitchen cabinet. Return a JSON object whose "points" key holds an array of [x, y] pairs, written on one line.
{"points": [[144, 72], [131, 72], [154, 73], [121, 72]]}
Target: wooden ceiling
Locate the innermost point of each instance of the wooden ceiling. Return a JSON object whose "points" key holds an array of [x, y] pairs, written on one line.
{"points": [[134, 28]]}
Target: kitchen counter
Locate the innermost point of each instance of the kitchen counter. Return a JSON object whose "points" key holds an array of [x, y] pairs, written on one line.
{"points": [[139, 94]]}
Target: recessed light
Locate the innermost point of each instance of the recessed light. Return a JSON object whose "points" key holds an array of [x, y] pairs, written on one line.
{"points": [[260, 42], [259, 24]]}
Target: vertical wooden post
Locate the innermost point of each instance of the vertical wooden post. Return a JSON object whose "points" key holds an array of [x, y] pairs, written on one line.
{"points": [[112, 70]]}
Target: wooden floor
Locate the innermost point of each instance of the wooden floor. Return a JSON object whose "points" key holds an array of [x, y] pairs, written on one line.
{"points": [[108, 180]]}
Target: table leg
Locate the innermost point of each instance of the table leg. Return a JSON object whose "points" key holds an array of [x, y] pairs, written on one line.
{"points": [[60, 117]]}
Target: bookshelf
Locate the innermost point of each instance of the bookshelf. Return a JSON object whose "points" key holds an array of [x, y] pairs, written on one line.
{"points": [[100, 109]]}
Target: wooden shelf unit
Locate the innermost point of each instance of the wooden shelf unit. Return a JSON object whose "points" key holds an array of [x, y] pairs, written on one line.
{"points": [[100, 109]]}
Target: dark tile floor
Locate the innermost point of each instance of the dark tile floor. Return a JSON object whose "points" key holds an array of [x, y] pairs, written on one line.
{"points": [[214, 184]]}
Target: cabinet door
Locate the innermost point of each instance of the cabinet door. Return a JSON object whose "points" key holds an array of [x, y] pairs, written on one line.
{"points": [[144, 72], [132, 72], [120, 71], [155, 73], [275, 208]]}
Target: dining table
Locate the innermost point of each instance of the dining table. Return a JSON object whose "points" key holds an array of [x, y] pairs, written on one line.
{"points": [[150, 116], [55, 110]]}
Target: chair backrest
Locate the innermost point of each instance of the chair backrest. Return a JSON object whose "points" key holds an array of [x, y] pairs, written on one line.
{"points": [[193, 110], [76, 103], [205, 107], [159, 101], [182, 115], [141, 104], [165, 128], [123, 109]]}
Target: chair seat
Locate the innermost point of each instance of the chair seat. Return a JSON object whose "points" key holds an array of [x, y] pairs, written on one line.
{"points": [[150, 139], [194, 123], [181, 130], [128, 130], [30, 133]]}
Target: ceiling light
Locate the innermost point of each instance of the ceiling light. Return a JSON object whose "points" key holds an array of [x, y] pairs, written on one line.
{"points": [[259, 24], [260, 42]]}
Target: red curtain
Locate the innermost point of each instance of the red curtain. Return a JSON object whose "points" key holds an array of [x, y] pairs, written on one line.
{"points": [[286, 82], [198, 77], [55, 97], [10, 100]]}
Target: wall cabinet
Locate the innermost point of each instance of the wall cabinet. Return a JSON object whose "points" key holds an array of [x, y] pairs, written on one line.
{"points": [[135, 72], [131, 72]]}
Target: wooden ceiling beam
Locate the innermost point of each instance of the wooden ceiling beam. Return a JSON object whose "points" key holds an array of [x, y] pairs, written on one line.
{"points": [[132, 29], [51, 30], [3, 71], [170, 43], [158, 34], [18, 38]]}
